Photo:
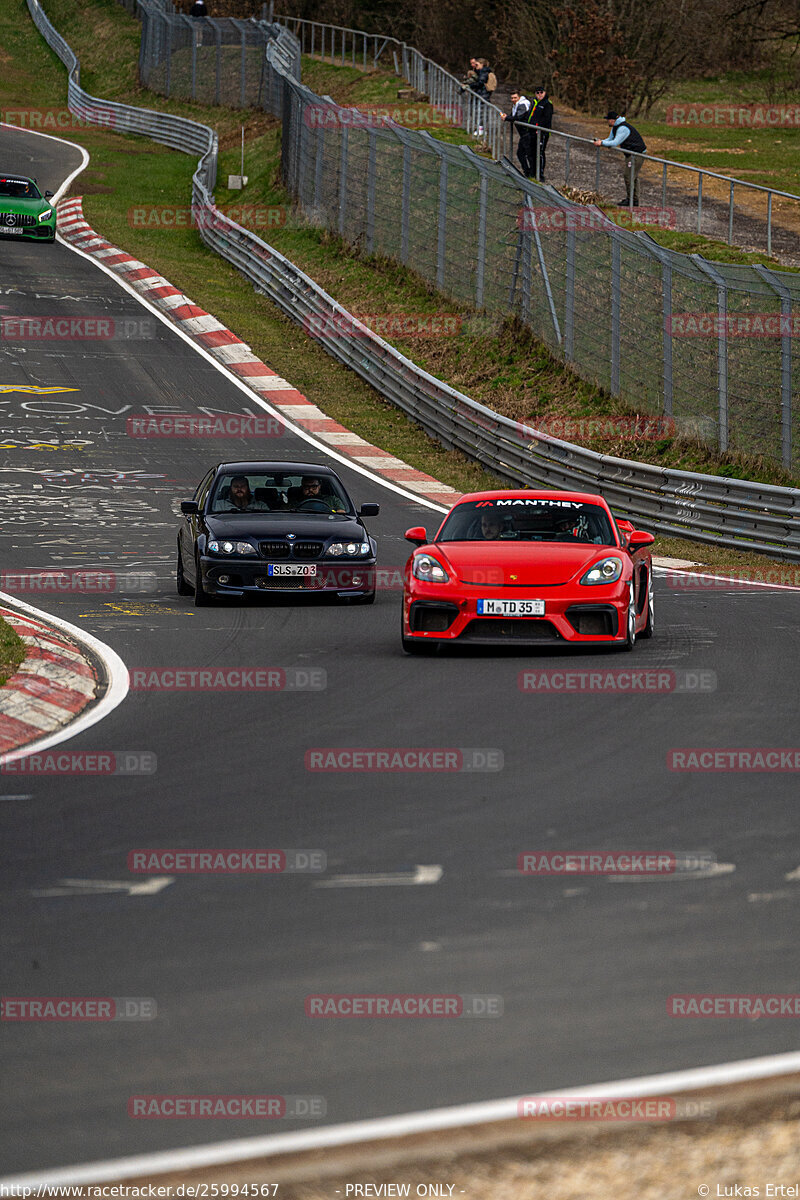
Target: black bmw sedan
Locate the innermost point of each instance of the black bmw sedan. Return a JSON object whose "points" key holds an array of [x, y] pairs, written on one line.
{"points": [[275, 527]]}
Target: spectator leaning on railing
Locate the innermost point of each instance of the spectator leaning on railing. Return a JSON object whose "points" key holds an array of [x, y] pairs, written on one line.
{"points": [[541, 117], [624, 137], [520, 111]]}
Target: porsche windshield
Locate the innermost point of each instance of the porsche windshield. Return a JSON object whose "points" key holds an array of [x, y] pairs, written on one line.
{"points": [[19, 189], [279, 493], [528, 520]]}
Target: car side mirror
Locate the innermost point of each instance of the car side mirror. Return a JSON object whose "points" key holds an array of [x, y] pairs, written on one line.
{"points": [[417, 535], [47, 195], [369, 510], [189, 507], [639, 539]]}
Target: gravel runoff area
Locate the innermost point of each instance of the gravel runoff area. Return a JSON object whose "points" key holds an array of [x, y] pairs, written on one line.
{"points": [[747, 1136]]}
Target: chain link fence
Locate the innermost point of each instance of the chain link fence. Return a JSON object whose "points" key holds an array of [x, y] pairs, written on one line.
{"points": [[707, 344]]}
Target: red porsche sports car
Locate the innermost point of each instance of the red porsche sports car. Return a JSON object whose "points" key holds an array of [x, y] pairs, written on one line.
{"points": [[528, 566]]}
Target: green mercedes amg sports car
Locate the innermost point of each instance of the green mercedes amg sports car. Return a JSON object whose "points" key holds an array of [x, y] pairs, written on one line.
{"points": [[24, 211]]}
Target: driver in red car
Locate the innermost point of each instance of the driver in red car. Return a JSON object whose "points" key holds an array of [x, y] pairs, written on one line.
{"points": [[492, 525]]}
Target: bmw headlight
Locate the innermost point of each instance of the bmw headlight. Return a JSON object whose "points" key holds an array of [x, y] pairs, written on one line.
{"points": [[429, 569], [217, 547], [350, 549], [607, 570], [46, 215]]}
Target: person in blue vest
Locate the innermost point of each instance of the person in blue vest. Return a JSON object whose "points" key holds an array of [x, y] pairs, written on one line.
{"points": [[624, 137]]}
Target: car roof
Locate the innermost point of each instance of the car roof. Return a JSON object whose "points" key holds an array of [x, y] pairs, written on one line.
{"points": [[533, 494], [273, 467]]}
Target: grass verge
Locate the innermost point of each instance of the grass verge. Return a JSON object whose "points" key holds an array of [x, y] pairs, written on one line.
{"points": [[12, 651], [496, 366]]}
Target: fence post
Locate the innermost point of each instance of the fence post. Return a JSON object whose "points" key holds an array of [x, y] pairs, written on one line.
{"points": [[666, 292], [722, 346], [786, 360], [217, 90], [569, 297], [371, 191], [343, 180], [243, 89], [405, 202], [318, 165], [169, 56], [194, 67], [616, 311]]}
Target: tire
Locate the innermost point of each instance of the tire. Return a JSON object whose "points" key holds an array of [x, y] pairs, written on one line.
{"points": [[413, 646], [630, 637], [201, 596], [649, 628], [182, 586]]}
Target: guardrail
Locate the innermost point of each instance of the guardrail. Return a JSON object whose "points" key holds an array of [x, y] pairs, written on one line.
{"points": [[575, 160], [707, 508]]}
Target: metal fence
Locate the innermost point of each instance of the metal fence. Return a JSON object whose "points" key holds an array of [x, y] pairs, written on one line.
{"points": [[221, 61], [716, 205], [707, 344], [724, 511]]}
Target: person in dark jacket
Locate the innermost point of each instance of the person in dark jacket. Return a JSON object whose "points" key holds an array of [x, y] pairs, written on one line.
{"points": [[520, 109], [624, 137], [541, 117], [477, 84]]}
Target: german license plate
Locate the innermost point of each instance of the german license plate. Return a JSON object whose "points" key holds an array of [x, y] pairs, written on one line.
{"points": [[12, 229], [304, 570], [511, 608]]}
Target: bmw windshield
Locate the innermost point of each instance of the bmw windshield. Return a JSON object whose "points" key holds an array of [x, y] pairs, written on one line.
{"points": [[237, 493]]}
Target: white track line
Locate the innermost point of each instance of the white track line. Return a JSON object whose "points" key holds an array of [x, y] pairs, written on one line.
{"points": [[115, 669], [404, 1125]]}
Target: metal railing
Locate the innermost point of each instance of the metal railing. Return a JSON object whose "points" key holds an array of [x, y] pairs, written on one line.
{"points": [[572, 159], [711, 509]]}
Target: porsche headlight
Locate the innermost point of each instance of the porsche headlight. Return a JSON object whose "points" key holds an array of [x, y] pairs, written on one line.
{"points": [[429, 569], [217, 547], [46, 215], [607, 570]]}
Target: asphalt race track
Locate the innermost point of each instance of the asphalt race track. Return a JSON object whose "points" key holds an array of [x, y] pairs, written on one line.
{"points": [[584, 965]]}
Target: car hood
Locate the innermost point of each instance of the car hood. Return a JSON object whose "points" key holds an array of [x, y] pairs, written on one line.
{"points": [[521, 564], [303, 525], [17, 204]]}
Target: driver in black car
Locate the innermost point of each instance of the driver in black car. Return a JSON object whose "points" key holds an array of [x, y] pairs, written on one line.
{"points": [[241, 499], [311, 489]]}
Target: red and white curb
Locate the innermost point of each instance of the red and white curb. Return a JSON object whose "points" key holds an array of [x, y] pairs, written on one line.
{"points": [[52, 686], [237, 357]]}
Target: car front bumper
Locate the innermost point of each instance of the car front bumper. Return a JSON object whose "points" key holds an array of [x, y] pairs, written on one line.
{"points": [[44, 232], [432, 613], [238, 576]]}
